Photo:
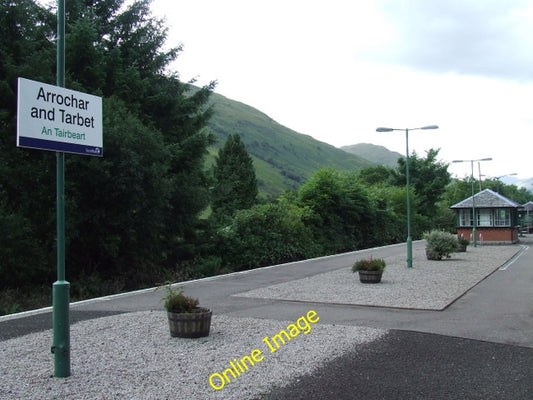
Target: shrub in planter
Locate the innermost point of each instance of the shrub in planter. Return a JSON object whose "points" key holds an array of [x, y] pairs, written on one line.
{"points": [[185, 318], [370, 269], [369, 264], [463, 243], [440, 244]]}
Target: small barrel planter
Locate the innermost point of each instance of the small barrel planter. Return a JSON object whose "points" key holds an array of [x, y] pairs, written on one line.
{"points": [[369, 269], [370, 276], [190, 325], [461, 248]]}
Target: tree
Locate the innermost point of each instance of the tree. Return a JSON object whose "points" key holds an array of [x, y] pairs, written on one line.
{"points": [[128, 212], [428, 177], [27, 185], [266, 234], [116, 205], [379, 174], [341, 207], [389, 224], [513, 192], [235, 181]]}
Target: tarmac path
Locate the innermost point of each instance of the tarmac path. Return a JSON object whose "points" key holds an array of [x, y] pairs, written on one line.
{"points": [[495, 362], [480, 347]]}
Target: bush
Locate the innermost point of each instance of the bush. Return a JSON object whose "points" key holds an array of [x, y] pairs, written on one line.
{"points": [[177, 302], [440, 244], [463, 241], [265, 234], [369, 264]]}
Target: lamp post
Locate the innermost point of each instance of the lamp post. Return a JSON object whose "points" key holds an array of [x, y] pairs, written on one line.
{"points": [[497, 178], [409, 241], [474, 221]]}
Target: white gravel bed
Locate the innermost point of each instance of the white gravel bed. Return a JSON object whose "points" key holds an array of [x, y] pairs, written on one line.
{"points": [[132, 356], [429, 285]]}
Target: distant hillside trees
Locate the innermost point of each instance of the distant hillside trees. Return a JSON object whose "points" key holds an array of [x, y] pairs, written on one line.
{"points": [[235, 186]]}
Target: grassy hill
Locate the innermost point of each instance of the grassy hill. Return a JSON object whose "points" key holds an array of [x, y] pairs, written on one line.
{"points": [[378, 154], [283, 158]]}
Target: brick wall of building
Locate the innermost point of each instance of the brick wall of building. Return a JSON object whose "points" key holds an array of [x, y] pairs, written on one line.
{"points": [[506, 235]]}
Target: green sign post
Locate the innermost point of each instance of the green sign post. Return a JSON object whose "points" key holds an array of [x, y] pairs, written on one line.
{"points": [[62, 120], [61, 288]]}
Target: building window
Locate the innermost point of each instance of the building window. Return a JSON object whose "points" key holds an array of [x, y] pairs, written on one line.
{"points": [[484, 217], [502, 217], [465, 217]]}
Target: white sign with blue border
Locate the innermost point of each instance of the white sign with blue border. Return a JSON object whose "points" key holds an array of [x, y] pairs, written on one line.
{"points": [[54, 118]]}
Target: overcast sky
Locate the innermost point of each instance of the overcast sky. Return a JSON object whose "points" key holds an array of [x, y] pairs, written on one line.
{"points": [[338, 69]]}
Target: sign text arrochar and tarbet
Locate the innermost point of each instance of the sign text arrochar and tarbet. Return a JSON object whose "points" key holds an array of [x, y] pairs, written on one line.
{"points": [[54, 118]]}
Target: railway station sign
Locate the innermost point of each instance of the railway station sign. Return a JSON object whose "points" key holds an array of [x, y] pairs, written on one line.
{"points": [[54, 118]]}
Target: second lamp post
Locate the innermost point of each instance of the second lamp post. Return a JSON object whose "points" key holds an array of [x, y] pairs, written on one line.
{"points": [[409, 238]]}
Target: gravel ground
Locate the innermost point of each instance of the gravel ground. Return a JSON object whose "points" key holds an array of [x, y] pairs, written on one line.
{"points": [[429, 285], [132, 356]]}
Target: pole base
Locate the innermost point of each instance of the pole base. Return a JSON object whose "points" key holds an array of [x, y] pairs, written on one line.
{"points": [[409, 252], [61, 327]]}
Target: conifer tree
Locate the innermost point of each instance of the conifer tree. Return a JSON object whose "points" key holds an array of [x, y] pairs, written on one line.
{"points": [[127, 213], [235, 181]]}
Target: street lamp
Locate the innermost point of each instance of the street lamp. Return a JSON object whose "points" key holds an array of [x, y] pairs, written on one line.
{"points": [[409, 239], [497, 178], [503, 176], [474, 222]]}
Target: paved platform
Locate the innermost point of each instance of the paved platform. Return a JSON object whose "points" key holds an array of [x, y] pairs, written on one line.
{"points": [[474, 342], [429, 285]]}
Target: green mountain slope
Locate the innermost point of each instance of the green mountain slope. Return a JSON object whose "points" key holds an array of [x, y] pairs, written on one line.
{"points": [[283, 158], [377, 154]]}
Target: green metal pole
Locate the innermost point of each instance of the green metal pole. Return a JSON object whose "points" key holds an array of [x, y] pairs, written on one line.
{"points": [[474, 219], [409, 239], [61, 288]]}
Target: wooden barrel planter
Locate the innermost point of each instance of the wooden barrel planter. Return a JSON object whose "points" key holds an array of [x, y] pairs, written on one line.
{"points": [[370, 276], [461, 248], [190, 325], [430, 255]]}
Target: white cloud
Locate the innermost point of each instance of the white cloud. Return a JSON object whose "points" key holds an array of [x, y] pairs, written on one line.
{"points": [[489, 37], [338, 69]]}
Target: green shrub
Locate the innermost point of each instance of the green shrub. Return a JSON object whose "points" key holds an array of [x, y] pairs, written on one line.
{"points": [[463, 241], [177, 302], [265, 234], [440, 244], [369, 264], [207, 266]]}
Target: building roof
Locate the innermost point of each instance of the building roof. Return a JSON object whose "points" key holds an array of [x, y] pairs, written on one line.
{"points": [[529, 206], [487, 199]]}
